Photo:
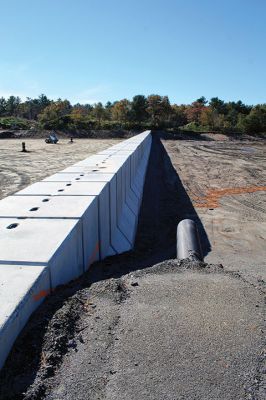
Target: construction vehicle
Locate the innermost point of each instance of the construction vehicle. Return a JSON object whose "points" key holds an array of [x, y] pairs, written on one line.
{"points": [[52, 139]]}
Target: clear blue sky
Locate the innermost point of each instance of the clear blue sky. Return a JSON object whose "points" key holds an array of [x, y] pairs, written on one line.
{"points": [[99, 50]]}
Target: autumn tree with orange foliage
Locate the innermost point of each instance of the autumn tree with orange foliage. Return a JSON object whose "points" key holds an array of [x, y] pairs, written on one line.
{"points": [[151, 112]]}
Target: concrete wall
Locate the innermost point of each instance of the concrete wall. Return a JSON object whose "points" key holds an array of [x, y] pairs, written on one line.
{"points": [[53, 230]]}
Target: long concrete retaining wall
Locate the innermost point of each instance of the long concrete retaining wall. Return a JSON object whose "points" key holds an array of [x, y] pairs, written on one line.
{"points": [[53, 230]]}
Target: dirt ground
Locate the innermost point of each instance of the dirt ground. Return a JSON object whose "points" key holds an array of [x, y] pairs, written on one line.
{"points": [[226, 184], [142, 325], [18, 170]]}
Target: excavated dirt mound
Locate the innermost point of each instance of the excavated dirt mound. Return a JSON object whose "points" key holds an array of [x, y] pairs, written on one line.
{"points": [[82, 133], [176, 330]]}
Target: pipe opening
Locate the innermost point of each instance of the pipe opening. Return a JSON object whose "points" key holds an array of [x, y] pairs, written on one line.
{"points": [[188, 241]]}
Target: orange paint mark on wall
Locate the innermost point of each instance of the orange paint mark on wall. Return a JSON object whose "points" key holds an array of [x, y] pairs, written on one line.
{"points": [[41, 294], [94, 254], [211, 199]]}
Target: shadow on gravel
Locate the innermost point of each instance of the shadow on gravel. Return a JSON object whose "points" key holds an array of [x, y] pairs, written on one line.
{"points": [[49, 332], [165, 204]]}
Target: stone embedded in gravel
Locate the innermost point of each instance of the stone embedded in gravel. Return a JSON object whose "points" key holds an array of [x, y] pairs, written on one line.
{"points": [[80, 338], [72, 343], [49, 370]]}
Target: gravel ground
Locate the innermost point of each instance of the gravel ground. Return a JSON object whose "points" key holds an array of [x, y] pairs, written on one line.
{"points": [[226, 184], [144, 326]]}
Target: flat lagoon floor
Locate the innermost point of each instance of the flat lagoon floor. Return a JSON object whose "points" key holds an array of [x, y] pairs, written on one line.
{"points": [[18, 169]]}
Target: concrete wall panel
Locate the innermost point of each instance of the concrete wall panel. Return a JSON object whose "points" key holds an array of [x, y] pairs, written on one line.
{"points": [[52, 243], [92, 160], [23, 288], [51, 231], [64, 188], [82, 177], [119, 241], [55, 207]]}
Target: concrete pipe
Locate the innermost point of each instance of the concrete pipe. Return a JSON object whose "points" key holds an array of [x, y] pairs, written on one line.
{"points": [[188, 241]]}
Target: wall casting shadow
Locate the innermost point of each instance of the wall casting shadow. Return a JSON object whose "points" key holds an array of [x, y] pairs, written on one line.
{"points": [[165, 203]]}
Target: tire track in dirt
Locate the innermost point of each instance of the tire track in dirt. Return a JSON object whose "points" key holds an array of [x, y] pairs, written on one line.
{"points": [[12, 180]]}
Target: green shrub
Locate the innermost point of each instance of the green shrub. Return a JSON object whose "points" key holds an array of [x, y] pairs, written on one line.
{"points": [[13, 123]]}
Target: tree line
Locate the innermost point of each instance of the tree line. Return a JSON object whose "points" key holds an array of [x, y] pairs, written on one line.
{"points": [[151, 112]]}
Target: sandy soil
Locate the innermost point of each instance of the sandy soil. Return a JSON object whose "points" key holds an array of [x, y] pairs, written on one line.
{"points": [[226, 184], [18, 170], [131, 330]]}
